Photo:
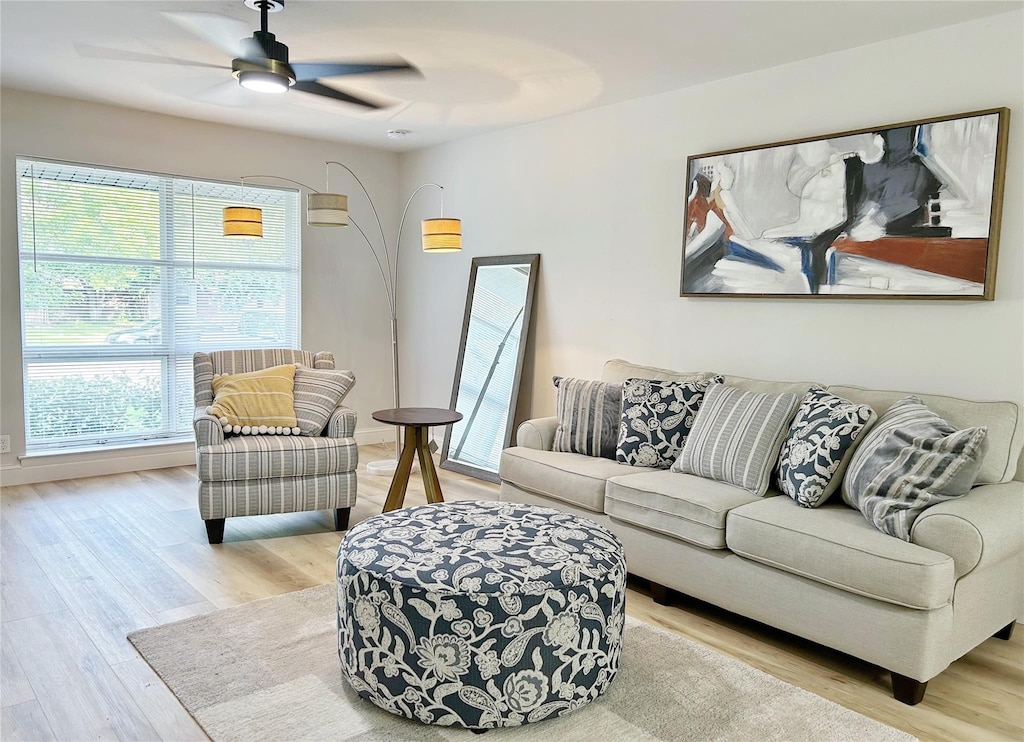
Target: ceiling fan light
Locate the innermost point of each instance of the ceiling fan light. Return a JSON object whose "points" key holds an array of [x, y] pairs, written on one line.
{"points": [[442, 235], [327, 210], [243, 221], [262, 81]]}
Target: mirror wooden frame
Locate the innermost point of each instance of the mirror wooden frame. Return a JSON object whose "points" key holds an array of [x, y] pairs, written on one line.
{"points": [[533, 260]]}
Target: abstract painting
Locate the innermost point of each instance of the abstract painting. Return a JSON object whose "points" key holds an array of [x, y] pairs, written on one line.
{"points": [[906, 210]]}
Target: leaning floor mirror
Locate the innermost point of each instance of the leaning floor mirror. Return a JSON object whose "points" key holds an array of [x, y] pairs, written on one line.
{"points": [[494, 332]]}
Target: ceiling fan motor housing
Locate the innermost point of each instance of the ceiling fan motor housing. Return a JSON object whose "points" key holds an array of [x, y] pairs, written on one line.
{"points": [[275, 64]]}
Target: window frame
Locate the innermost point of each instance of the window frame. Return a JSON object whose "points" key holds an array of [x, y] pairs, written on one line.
{"points": [[168, 352]]}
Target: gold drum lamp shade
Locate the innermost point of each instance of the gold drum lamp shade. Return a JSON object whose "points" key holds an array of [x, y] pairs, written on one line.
{"points": [[243, 221], [442, 235], [327, 210]]}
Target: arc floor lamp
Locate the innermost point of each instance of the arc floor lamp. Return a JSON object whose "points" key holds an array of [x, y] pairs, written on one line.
{"points": [[326, 209]]}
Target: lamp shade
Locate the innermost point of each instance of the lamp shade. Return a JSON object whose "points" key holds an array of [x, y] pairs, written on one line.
{"points": [[243, 221], [442, 235], [327, 210]]}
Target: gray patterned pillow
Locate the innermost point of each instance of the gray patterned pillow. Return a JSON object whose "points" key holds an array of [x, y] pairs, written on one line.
{"points": [[588, 416], [818, 447], [656, 420], [318, 391], [736, 437], [912, 459]]}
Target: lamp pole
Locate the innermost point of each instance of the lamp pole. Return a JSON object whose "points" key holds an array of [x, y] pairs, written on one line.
{"points": [[388, 273], [390, 282]]}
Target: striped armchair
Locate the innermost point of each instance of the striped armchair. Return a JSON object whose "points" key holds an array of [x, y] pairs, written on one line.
{"points": [[258, 475]]}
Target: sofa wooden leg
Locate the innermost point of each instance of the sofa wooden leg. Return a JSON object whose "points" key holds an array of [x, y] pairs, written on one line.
{"points": [[1006, 632], [660, 594], [341, 516], [215, 530], [907, 690]]}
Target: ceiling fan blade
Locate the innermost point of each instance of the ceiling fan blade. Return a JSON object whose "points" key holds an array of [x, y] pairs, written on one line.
{"points": [[316, 70], [230, 35], [316, 88], [103, 52]]}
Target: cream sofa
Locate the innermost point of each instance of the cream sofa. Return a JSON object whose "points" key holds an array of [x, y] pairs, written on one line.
{"points": [[824, 574]]}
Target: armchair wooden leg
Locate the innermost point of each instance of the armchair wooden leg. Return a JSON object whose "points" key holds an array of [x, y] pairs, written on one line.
{"points": [[907, 690], [215, 530], [341, 516], [1006, 632]]}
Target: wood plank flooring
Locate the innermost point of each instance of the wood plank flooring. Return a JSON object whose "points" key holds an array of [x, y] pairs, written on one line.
{"points": [[83, 562]]}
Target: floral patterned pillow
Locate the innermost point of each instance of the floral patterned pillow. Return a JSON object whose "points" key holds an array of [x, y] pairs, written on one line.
{"points": [[656, 419], [819, 446]]}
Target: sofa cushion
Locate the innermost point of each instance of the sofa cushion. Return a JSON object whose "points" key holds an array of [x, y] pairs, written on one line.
{"points": [[819, 446], [736, 437], [569, 477], [617, 371], [266, 457], [588, 415], [656, 420], [1004, 421], [687, 507], [834, 545], [912, 459], [761, 386]]}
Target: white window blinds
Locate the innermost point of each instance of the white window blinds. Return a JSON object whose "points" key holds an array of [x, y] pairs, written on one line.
{"points": [[124, 276]]}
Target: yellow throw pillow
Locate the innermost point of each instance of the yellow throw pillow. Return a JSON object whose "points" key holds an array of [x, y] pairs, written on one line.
{"points": [[256, 402]]}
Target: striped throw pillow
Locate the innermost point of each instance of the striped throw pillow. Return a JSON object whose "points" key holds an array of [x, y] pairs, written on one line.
{"points": [[256, 402], [912, 459], [736, 437], [318, 391], [588, 416]]}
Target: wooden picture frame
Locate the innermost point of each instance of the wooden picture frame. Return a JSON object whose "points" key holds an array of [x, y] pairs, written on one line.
{"points": [[901, 211]]}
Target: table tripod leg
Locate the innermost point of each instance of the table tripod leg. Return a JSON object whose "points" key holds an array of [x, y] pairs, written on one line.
{"points": [[396, 495], [431, 485]]}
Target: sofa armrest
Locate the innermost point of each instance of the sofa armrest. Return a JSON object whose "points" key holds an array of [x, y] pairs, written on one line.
{"points": [[342, 423], [978, 530], [208, 429], [538, 433]]}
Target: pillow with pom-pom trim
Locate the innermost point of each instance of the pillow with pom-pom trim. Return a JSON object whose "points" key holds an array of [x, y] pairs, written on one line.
{"points": [[256, 402]]}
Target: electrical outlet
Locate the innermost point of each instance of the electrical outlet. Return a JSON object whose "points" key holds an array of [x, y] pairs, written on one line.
{"points": [[5, 444]]}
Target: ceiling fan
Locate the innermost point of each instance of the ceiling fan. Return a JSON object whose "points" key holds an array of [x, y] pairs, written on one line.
{"points": [[261, 62]]}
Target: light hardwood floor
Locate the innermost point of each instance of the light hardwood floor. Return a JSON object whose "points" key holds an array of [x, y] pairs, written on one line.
{"points": [[86, 561]]}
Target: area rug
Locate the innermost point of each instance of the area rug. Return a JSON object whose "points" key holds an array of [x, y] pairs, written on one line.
{"points": [[269, 670]]}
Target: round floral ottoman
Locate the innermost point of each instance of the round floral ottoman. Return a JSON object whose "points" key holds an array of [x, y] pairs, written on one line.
{"points": [[480, 614]]}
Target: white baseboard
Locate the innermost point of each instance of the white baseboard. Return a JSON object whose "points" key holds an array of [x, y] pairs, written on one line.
{"points": [[75, 465], [52, 468], [371, 436]]}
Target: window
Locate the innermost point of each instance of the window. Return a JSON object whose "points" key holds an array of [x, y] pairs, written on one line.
{"points": [[125, 275]]}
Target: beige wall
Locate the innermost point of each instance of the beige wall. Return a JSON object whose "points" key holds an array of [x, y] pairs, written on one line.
{"points": [[600, 194], [343, 304]]}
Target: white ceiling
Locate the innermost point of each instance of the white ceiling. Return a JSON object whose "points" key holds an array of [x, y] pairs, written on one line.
{"points": [[486, 65]]}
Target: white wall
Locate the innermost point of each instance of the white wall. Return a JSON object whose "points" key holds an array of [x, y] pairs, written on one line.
{"points": [[343, 304], [599, 194]]}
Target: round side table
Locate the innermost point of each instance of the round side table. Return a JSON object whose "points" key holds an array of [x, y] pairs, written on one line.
{"points": [[416, 421]]}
